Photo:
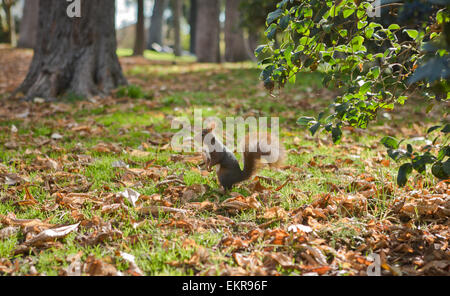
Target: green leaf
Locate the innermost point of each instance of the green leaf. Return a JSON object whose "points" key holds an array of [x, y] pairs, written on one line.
{"points": [[336, 134], [305, 120], [284, 22], [361, 24], [307, 12], [446, 166], [444, 151], [433, 128], [403, 172], [348, 12], [375, 71], [401, 100], [397, 154], [446, 129], [343, 32], [360, 13], [441, 170], [365, 87], [409, 148], [271, 31], [411, 33], [313, 129], [390, 142], [369, 32], [260, 49], [394, 27], [419, 162], [357, 42], [267, 72], [274, 15]]}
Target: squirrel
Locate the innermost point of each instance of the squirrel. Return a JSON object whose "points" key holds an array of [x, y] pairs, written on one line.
{"points": [[229, 171]]}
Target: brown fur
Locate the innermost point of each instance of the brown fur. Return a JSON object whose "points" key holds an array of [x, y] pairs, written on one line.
{"points": [[229, 171]]}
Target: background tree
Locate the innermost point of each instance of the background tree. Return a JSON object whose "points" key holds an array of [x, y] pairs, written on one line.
{"points": [[9, 20], [74, 55], [177, 13], [139, 42], [192, 25], [253, 19], [29, 24], [235, 47], [156, 24], [207, 36]]}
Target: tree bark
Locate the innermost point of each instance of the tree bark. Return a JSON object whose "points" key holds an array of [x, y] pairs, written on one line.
{"points": [[235, 47], [74, 55], [156, 24], [252, 40], [192, 25], [177, 26], [139, 42], [207, 37], [29, 24], [11, 22]]}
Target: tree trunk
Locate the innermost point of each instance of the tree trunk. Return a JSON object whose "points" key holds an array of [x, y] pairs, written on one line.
{"points": [[177, 26], [192, 25], [252, 44], [235, 47], [139, 42], [11, 23], [29, 24], [156, 24], [208, 31], [253, 39], [74, 55]]}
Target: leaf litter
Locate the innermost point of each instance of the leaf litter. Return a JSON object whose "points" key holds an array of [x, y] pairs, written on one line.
{"points": [[271, 225]]}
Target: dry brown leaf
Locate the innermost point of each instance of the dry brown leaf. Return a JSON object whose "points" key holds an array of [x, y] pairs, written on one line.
{"points": [[278, 236], [200, 256], [97, 267], [179, 224], [278, 258], [240, 203], [11, 220], [139, 153], [51, 234], [274, 212]]}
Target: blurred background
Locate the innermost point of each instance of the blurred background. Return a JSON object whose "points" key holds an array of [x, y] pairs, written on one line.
{"points": [[162, 26]]}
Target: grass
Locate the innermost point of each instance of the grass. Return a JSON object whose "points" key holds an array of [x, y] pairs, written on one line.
{"points": [[221, 90]]}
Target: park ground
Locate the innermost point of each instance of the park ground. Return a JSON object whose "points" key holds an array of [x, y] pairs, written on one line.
{"points": [[66, 169]]}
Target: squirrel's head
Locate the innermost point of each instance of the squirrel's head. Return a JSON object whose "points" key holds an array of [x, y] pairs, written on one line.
{"points": [[207, 131]]}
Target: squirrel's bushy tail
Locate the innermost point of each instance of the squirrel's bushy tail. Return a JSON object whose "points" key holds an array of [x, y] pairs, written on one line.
{"points": [[254, 153]]}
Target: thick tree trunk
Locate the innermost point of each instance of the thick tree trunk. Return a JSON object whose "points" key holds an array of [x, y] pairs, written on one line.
{"points": [[139, 42], [156, 24], [29, 24], [74, 55], [177, 26], [235, 47], [192, 25], [208, 31]]}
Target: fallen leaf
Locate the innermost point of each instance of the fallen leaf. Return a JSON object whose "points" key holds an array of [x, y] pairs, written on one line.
{"points": [[131, 195], [51, 234]]}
